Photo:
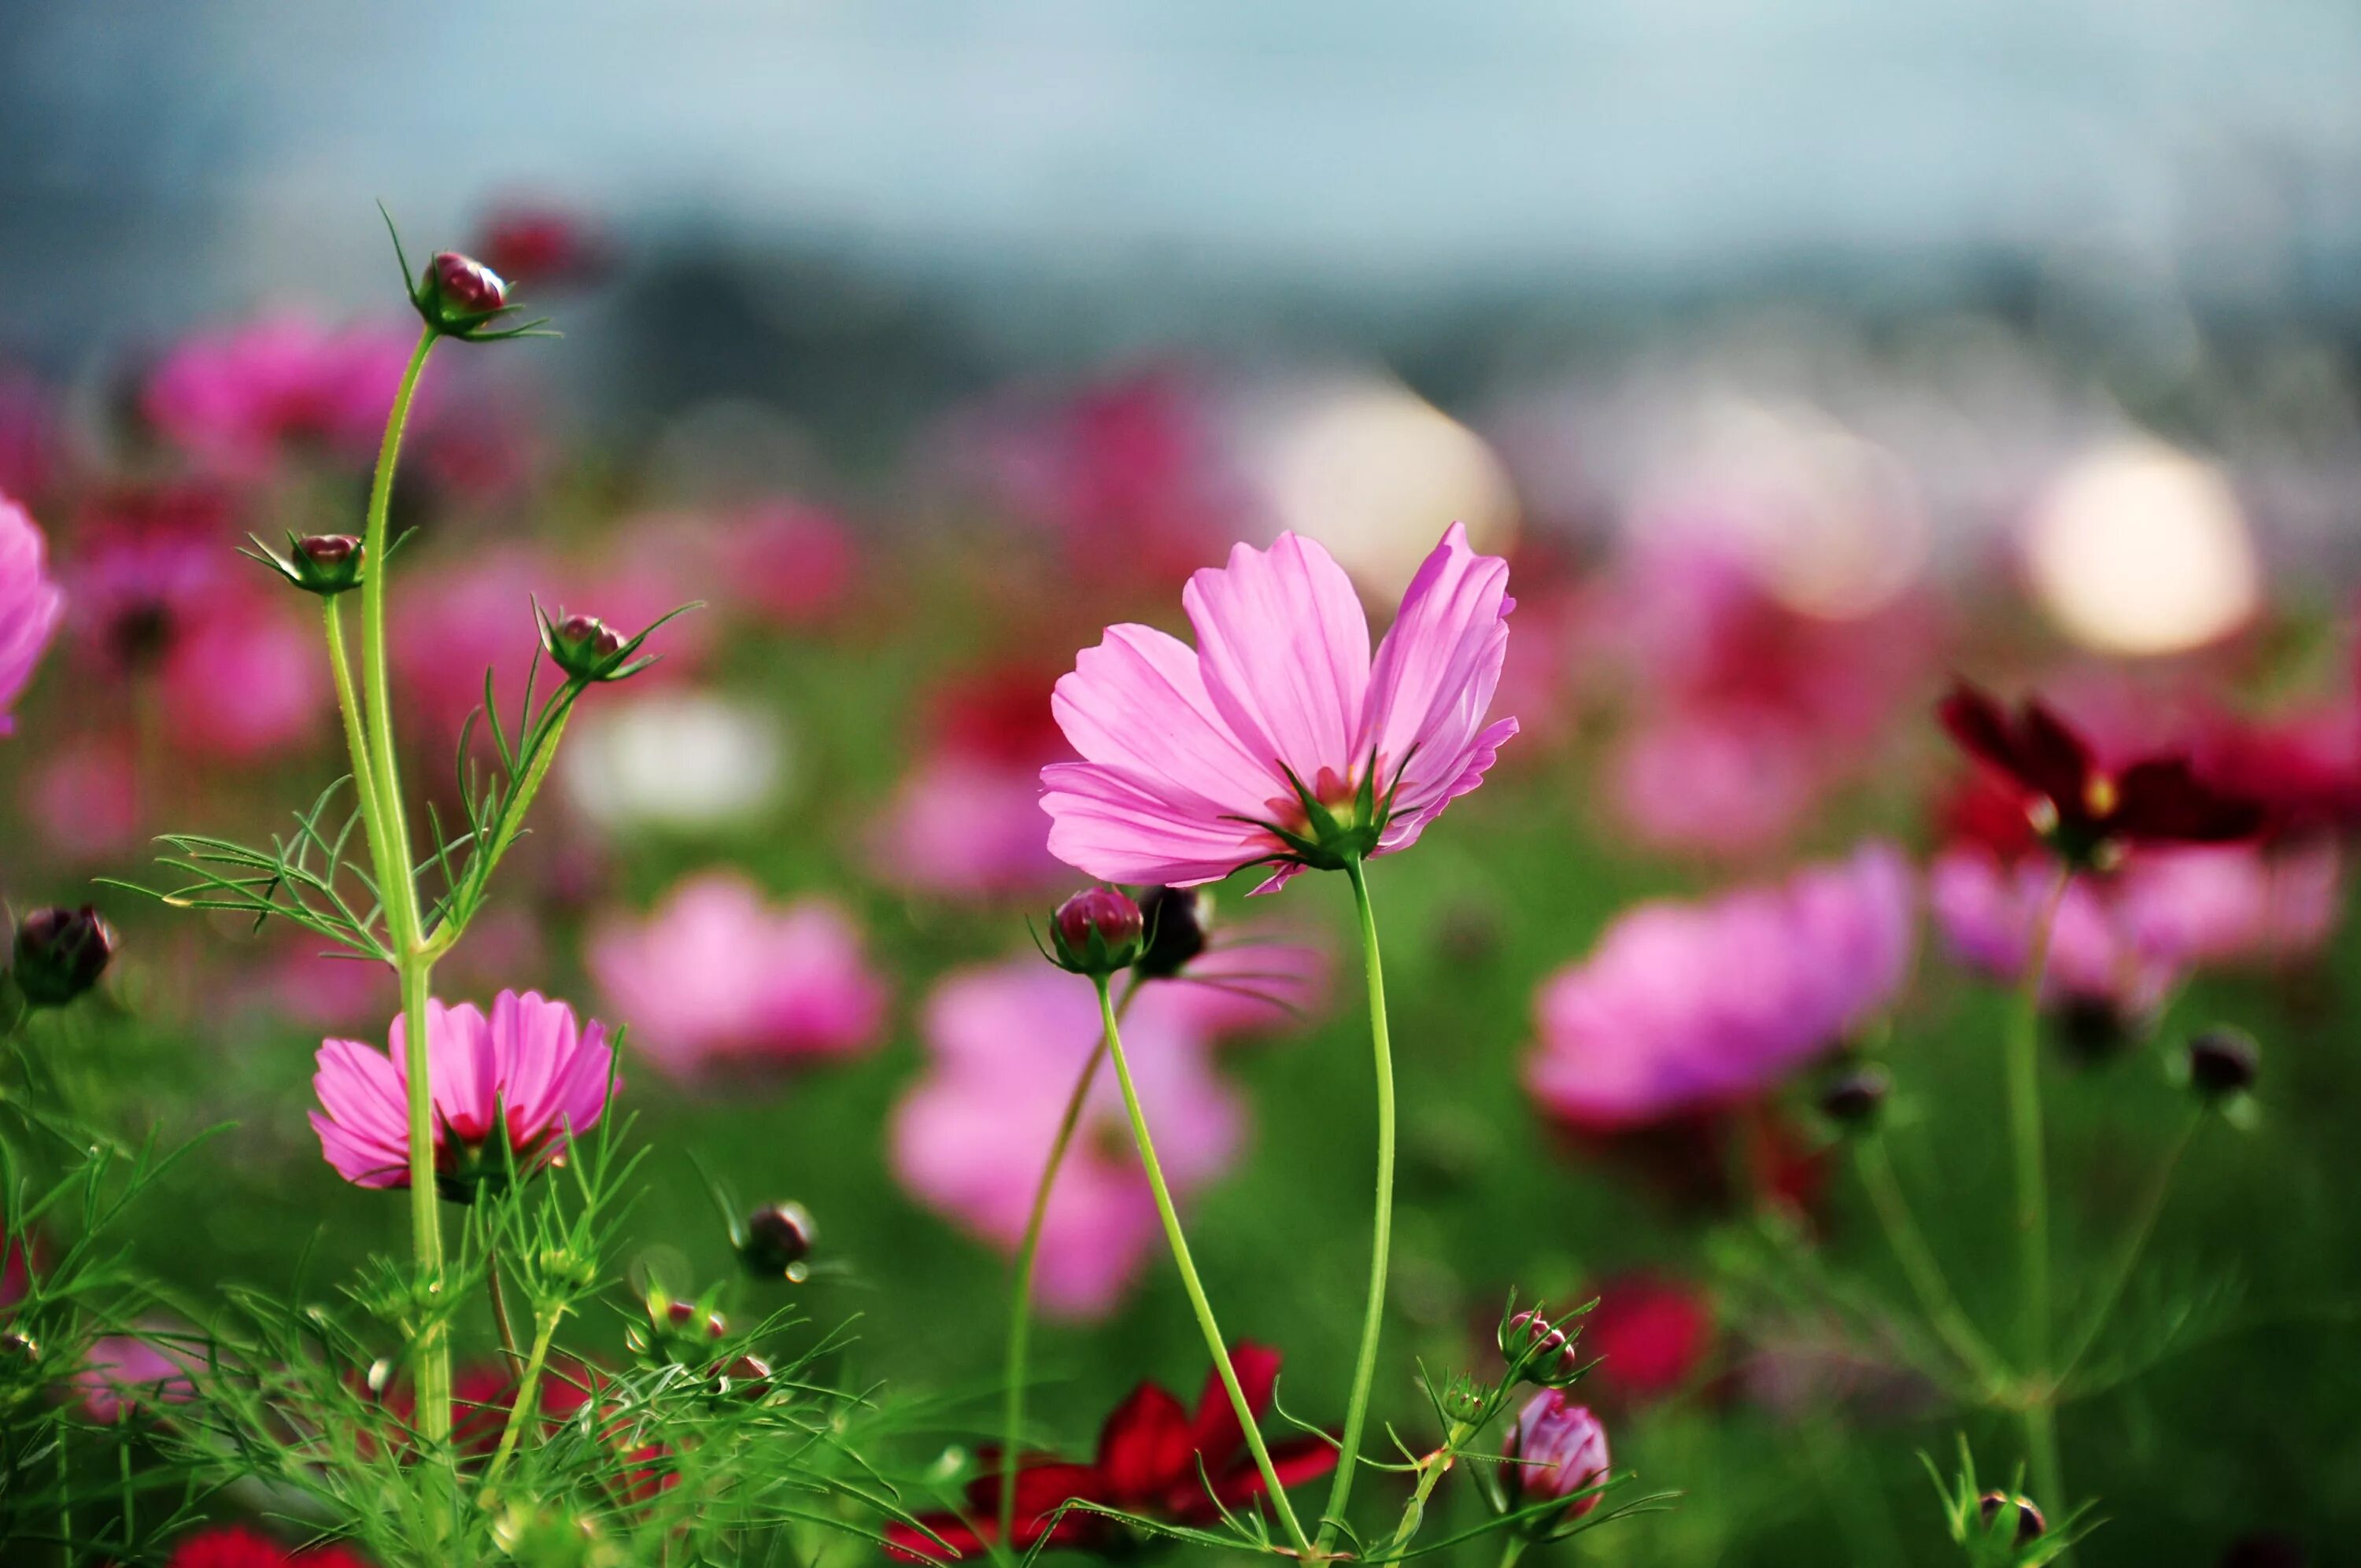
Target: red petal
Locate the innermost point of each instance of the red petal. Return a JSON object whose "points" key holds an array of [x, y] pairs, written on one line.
{"points": [[1041, 1486], [1980, 726], [2052, 759], [2164, 801], [1215, 1429], [1298, 1460], [957, 1540], [1144, 1447]]}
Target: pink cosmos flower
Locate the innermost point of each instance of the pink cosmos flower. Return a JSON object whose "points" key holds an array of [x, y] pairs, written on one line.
{"points": [[529, 1072], [1199, 761], [1008, 1042], [30, 604], [84, 797], [716, 976], [238, 400], [1682, 1007]]}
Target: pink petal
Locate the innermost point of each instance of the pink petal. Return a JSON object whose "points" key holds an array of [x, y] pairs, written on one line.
{"points": [[1284, 649]]}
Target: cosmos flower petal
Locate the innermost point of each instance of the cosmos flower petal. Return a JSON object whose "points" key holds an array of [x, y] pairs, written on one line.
{"points": [[1284, 648]]}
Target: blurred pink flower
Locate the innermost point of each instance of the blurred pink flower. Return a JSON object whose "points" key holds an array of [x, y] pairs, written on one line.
{"points": [[1651, 1335], [1689, 1006], [715, 976], [966, 821], [529, 1072], [84, 797], [123, 1374], [240, 400], [2126, 939], [1181, 743], [1008, 1042], [791, 562], [1746, 712], [158, 591], [1128, 472], [30, 604], [28, 436]]}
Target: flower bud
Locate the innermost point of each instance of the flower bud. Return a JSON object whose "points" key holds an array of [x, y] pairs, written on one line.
{"points": [[2029, 1522], [584, 646], [1853, 1096], [1176, 918], [2221, 1063], [1096, 932], [323, 563], [1556, 1449], [686, 1317], [457, 293], [777, 1238], [60, 953], [1550, 1357]]}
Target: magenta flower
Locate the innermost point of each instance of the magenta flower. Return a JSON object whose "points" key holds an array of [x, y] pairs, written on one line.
{"points": [[1278, 740], [1557, 1449], [1008, 1042], [1684, 1007], [715, 976], [515, 1085], [240, 400], [30, 605], [123, 1374], [966, 821]]}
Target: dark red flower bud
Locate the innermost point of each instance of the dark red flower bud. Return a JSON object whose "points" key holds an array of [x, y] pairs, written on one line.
{"points": [[1177, 919], [1096, 932], [585, 647], [18, 1345], [1557, 1448], [466, 286], [2221, 1063], [686, 1317], [60, 953], [778, 1237], [2029, 1522], [1853, 1096]]}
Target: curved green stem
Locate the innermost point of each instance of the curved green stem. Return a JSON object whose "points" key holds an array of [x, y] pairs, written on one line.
{"points": [[1020, 1313], [2023, 1069], [398, 890], [1213, 1331], [1936, 1299], [2151, 1208], [528, 1394], [1373, 1316]]}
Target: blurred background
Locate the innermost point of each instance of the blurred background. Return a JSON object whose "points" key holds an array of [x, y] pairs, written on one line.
{"points": [[1798, 355]]}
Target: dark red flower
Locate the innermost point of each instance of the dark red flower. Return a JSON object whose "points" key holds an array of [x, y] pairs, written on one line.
{"points": [[1154, 1459], [2088, 812]]}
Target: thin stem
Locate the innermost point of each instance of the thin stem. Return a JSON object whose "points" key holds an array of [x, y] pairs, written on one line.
{"points": [[500, 1304], [512, 822], [398, 890], [2135, 1243], [348, 704], [1936, 1298], [1020, 1315], [1357, 1409], [528, 1393], [1514, 1549], [1189, 1282], [1431, 1471], [2024, 1070]]}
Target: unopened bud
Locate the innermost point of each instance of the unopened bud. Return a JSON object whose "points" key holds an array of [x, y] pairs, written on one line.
{"points": [[1177, 918], [1096, 932], [1549, 1357], [2221, 1063], [60, 953], [1853, 1096], [2029, 1522], [778, 1237], [459, 289]]}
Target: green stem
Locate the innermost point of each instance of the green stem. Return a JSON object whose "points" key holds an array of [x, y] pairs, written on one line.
{"points": [[1020, 1317], [2024, 1073], [500, 1304], [528, 1393], [1514, 1549], [1357, 1409], [2151, 1209], [1213, 1331], [511, 823], [1431, 1471], [398, 890], [1942, 1308]]}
